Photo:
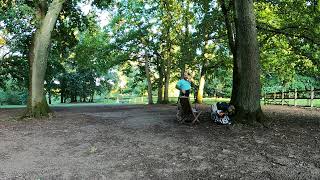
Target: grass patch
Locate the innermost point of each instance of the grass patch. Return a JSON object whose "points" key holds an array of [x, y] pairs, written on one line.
{"points": [[144, 100]]}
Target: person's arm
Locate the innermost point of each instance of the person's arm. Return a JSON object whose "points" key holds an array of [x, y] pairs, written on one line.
{"points": [[178, 87], [221, 113]]}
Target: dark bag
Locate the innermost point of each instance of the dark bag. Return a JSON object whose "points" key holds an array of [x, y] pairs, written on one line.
{"points": [[223, 106]]}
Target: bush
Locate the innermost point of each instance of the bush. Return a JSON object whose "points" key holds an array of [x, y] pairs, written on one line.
{"points": [[13, 97]]}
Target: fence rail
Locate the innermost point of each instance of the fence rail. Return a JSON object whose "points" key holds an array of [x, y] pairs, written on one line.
{"points": [[284, 97]]}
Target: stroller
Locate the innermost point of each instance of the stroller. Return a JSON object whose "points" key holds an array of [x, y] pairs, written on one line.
{"points": [[221, 112]]}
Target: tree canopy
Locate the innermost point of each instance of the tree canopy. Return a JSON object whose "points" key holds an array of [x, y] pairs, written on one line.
{"points": [[146, 46]]}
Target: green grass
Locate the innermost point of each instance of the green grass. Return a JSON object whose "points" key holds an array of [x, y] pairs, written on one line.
{"points": [[74, 104], [12, 106], [301, 102], [144, 100], [119, 101], [210, 101]]}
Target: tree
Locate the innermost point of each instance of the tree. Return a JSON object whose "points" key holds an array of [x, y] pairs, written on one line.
{"points": [[38, 19], [166, 36], [46, 15], [150, 101], [247, 100], [171, 27], [230, 25], [207, 25], [135, 41], [14, 43], [289, 41]]}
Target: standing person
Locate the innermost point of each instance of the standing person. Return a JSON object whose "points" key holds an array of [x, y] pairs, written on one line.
{"points": [[184, 85]]}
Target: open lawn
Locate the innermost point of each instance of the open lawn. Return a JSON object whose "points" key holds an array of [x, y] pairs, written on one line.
{"points": [[145, 142]]}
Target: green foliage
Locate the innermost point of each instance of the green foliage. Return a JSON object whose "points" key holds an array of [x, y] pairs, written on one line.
{"points": [[289, 40], [18, 22], [170, 34], [97, 52], [15, 31], [219, 83], [299, 82], [102, 4], [11, 95], [108, 82], [79, 84], [137, 83]]}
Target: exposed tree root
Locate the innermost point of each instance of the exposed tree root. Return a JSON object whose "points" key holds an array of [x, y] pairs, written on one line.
{"points": [[252, 118], [40, 110]]}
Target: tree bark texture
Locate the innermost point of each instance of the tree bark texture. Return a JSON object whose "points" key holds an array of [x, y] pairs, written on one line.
{"points": [[167, 82], [160, 83], [248, 95], [167, 75], [61, 96], [203, 69], [201, 85], [49, 96], [146, 66], [39, 50], [186, 44], [167, 39], [232, 45]]}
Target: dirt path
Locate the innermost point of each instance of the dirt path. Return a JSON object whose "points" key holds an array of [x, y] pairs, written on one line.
{"points": [[145, 142]]}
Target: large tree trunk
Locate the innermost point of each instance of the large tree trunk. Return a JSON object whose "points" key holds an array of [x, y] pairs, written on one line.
{"points": [[146, 66], [248, 95], [186, 43], [61, 96], [203, 69], [167, 82], [91, 97], [167, 75], [37, 104], [49, 96], [232, 45], [201, 85], [160, 83], [235, 80], [167, 22], [73, 98]]}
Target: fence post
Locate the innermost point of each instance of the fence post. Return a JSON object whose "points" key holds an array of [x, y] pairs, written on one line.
{"points": [[295, 96], [311, 97], [282, 97]]}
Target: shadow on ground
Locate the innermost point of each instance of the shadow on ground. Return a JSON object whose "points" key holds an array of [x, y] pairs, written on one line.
{"points": [[145, 142]]}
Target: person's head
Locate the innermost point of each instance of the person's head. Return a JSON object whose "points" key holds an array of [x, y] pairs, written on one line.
{"points": [[186, 76], [231, 109]]}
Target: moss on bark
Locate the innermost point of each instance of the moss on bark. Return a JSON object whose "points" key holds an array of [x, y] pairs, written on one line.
{"points": [[40, 110]]}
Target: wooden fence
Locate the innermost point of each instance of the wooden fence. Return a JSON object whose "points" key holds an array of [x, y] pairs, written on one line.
{"points": [[283, 97]]}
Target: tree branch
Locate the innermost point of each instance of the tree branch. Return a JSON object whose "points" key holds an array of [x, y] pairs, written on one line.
{"points": [[284, 31]]}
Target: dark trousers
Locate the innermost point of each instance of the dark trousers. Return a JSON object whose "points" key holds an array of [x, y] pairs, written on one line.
{"points": [[185, 94]]}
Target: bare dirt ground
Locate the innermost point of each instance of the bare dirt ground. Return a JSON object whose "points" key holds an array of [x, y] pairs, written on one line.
{"points": [[145, 142]]}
